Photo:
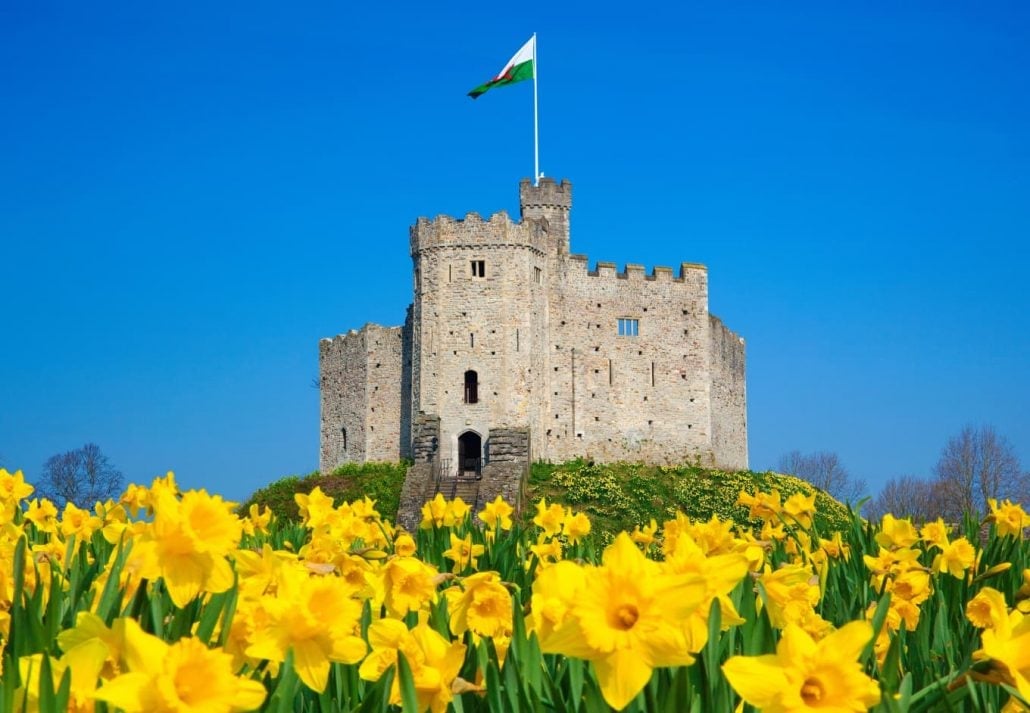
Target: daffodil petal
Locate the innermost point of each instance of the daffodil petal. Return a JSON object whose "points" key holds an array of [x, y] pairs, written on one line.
{"points": [[621, 675], [758, 679]]}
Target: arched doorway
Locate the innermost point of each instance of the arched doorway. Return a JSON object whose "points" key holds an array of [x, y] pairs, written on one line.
{"points": [[470, 454]]}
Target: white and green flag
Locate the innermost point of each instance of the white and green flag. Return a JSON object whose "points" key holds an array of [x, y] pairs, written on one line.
{"points": [[519, 68]]}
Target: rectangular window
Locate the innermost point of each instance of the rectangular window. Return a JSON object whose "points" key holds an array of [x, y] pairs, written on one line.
{"points": [[538, 275], [479, 268], [629, 327]]}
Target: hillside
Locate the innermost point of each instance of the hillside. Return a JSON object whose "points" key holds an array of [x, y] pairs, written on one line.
{"points": [[616, 496]]}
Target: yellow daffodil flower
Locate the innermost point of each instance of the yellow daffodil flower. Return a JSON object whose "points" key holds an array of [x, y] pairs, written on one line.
{"points": [[804, 675], [496, 515], [1009, 518], [629, 618], [172, 678]]}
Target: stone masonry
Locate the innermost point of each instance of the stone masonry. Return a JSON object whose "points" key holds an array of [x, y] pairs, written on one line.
{"points": [[509, 332]]}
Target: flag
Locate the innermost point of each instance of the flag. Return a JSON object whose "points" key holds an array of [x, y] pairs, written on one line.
{"points": [[519, 68]]}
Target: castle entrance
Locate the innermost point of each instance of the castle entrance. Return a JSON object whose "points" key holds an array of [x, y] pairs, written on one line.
{"points": [[470, 454]]}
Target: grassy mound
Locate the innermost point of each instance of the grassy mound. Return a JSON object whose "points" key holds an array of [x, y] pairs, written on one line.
{"points": [[616, 496], [619, 496], [380, 481]]}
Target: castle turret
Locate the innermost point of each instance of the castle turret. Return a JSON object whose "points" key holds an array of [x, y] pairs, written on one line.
{"points": [[552, 202]]}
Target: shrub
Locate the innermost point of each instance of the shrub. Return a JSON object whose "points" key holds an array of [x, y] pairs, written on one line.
{"points": [[381, 482]]}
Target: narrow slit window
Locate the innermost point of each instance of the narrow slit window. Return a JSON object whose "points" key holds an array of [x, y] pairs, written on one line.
{"points": [[479, 268], [516, 339], [472, 340], [450, 270], [629, 327], [609, 372], [471, 387], [652, 373]]}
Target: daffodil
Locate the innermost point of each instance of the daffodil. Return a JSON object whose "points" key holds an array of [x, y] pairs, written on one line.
{"points": [[799, 509], [896, 533], [935, 533], [496, 514], [90, 630], [480, 604], [43, 514], [629, 618], [576, 526], [187, 544], [1009, 518], [13, 487], [764, 506], [804, 675], [257, 520], [549, 518], [1007, 645], [408, 585], [78, 522], [987, 609], [315, 617], [790, 593], [645, 535], [434, 661], [463, 552], [176, 678], [955, 559], [315, 507], [83, 664]]}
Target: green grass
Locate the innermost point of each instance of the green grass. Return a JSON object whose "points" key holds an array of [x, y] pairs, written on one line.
{"points": [[619, 496], [380, 481]]}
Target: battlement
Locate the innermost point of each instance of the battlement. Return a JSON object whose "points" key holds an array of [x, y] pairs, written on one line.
{"points": [[688, 272], [473, 231], [355, 338], [549, 195]]}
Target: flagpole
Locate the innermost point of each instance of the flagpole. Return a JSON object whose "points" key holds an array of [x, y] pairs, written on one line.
{"points": [[536, 124]]}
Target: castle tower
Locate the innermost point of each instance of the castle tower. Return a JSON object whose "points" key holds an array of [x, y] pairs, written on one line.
{"points": [[479, 323], [551, 202]]}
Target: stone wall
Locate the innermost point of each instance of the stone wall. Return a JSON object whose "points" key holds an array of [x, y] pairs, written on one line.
{"points": [[729, 397], [360, 377], [425, 440], [642, 397], [384, 368], [416, 491], [342, 390], [507, 467]]}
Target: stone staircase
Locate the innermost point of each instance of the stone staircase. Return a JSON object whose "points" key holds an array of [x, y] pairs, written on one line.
{"points": [[465, 488]]}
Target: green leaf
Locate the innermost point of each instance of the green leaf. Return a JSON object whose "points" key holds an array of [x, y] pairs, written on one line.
{"points": [[409, 699]]}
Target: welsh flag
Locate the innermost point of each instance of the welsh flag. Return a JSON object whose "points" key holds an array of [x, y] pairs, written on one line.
{"points": [[519, 68]]}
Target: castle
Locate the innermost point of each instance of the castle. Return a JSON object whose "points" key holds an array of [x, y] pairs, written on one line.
{"points": [[513, 349]]}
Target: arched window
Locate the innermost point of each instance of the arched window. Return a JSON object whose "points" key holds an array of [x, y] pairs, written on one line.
{"points": [[471, 387]]}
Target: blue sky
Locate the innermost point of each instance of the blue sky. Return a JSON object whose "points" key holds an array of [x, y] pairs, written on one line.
{"points": [[192, 195]]}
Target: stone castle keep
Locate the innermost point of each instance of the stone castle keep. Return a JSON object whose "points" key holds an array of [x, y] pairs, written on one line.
{"points": [[514, 350]]}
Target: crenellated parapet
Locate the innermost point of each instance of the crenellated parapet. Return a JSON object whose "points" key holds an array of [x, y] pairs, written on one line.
{"points": [[689, 272], [548, 197], [498, 230]]}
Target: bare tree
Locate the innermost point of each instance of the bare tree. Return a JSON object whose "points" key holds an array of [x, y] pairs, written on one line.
{"points": [[824, 470], [921, 499], [82, 476], [975, 466]]}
